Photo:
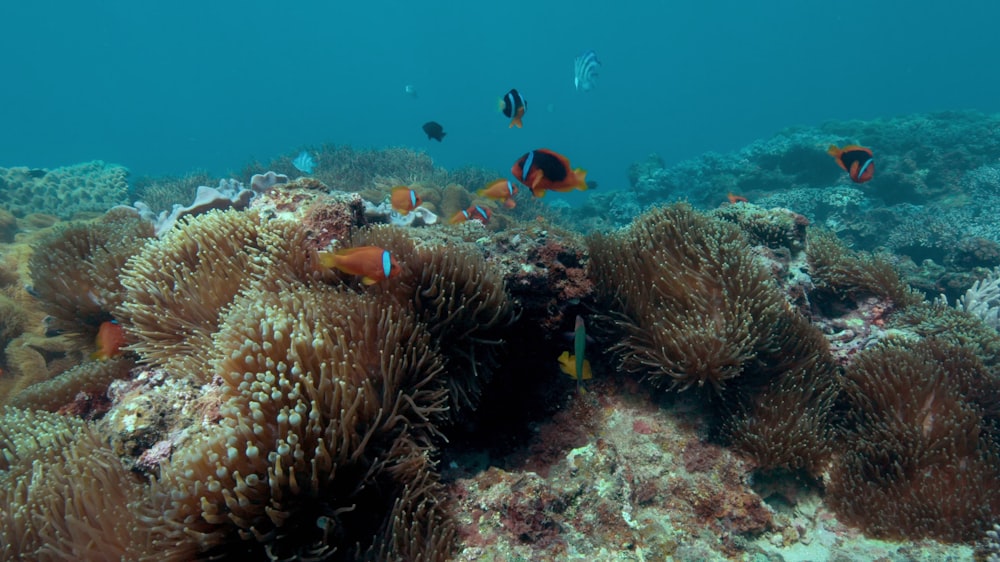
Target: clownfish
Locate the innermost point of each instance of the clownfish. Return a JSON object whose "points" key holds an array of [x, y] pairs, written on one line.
{"points": [[109, 341], [475, 213], [733, 198], [856, 160], [459, 217], [544, 170], [374, 264], [404, 199], [514, 105], [501, 190]]}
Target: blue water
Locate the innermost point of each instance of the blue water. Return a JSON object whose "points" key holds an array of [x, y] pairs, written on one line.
{"points": [[169, 87]]}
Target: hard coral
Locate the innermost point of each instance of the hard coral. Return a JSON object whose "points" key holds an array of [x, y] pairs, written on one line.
{"points": [[81, 188]]}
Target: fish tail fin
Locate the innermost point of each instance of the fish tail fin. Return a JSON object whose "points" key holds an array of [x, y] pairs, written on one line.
{"points": [[328, 259], [834, 151], [581, 176], [515, 122]]}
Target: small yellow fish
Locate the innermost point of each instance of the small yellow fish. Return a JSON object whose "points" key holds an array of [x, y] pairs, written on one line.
{"points": [[567, 363]]}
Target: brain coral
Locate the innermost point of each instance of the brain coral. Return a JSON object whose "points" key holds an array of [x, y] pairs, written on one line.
{"points": [[91, 187]]}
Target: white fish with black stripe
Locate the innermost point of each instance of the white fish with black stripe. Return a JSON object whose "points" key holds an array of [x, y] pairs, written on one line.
{"points": [[585, 71]]}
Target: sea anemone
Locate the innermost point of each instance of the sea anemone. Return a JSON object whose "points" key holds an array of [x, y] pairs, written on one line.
{"points": [[695, 308], [916, 462], [177, 286], [63, 493], [460, 298], [330, 400], [845, 274], [75, 271]]}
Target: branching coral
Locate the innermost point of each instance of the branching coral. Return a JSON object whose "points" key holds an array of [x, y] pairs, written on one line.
{"points": [[330, 400], [917, 462]]}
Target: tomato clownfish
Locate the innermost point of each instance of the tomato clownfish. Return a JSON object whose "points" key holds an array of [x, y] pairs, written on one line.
{"points": [[109, 341], [374, 264], [500, 190], [474, 213], [404, 199], [856, 160], [513, 106], [544, 170]]}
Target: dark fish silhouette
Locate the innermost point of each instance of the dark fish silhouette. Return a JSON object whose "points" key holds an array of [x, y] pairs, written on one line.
{"points": [[434, 130], [514, 105]]}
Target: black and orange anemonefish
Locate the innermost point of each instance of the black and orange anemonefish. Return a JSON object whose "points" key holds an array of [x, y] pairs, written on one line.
{"points": [[545, 170], [856, 160]]}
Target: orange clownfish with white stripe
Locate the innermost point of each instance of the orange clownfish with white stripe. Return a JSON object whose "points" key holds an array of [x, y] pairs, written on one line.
{"points": [[544, 170], [473, 213], [404, 199], [374, 264], [500, 190], [856, 160], [109, 341]]}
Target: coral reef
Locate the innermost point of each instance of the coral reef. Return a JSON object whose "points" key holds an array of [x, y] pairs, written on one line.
{"points": [[162, 193], [230, 194], [800, 393], [93, 187]]}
